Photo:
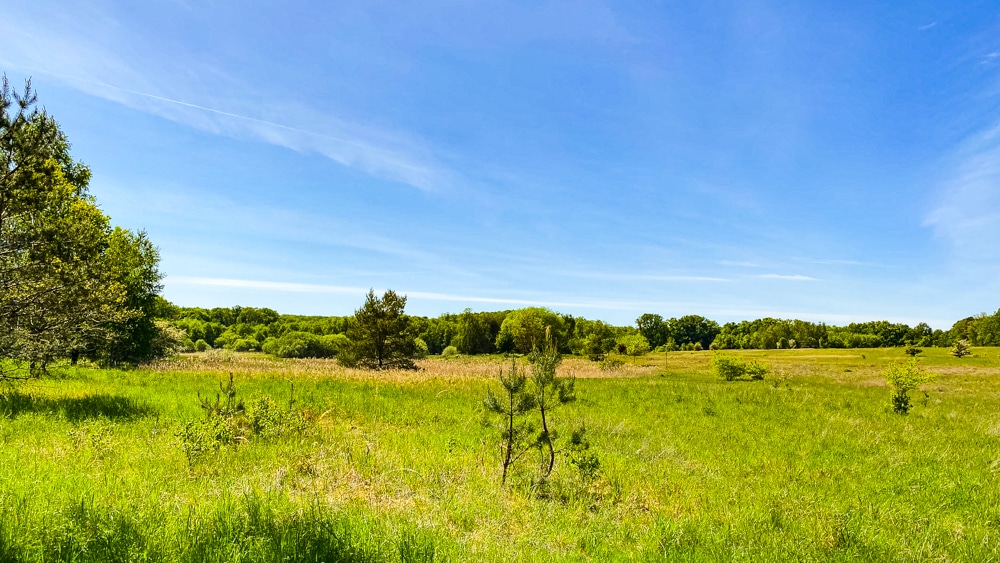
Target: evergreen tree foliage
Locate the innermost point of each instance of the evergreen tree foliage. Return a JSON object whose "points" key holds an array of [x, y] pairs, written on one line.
{"points": [[961, 349], [381, 335], [63, 285]]}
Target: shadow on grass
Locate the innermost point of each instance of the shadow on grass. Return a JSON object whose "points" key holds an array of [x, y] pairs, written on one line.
{"points": [[73, 409]]}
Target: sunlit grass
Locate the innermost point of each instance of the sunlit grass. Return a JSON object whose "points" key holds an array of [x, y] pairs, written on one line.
{"points": [[809, 464]]}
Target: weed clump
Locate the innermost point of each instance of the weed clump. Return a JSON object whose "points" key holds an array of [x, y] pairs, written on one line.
{"points": [[611, 364], [230, 421]]}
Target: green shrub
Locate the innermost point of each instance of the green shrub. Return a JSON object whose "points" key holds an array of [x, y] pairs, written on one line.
{"points": [[245, 345], [449, 352], [902, 379], [334, 344], [201, 345], [422, 347], [727, 367], [732, 368], [755, 370], [297, 344]]}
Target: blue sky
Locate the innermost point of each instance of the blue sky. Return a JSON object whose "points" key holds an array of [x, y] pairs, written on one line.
{"points": [[826, 161]]}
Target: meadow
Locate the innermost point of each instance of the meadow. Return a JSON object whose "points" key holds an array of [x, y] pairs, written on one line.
{"points": [[331, 464]]}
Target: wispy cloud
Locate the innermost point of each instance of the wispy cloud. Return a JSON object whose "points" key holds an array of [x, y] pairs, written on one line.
{"points": [[626, 277], [180, 205], [968, 211], [94, 63], [787, 277], [928, 26], [433, 296]]}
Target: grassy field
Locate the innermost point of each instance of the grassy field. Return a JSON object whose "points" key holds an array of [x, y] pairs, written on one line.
{"points": [[327, 464]]}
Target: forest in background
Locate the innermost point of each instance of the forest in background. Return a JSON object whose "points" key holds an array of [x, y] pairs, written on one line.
{"points": [[514, 331]]}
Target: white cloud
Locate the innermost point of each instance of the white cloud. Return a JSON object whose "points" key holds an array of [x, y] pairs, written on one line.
{"points": [[968, 211], [787, 277], [322, 288], [92, 54]]}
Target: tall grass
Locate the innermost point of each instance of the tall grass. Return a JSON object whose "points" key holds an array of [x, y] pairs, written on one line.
{"points": [[810, 464]]}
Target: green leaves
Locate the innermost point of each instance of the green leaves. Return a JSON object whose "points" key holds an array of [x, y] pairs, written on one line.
{"points": [[902, 379], [68, 283]]}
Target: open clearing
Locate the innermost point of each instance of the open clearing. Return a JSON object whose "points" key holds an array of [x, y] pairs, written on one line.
{"points": [[809, 464]]}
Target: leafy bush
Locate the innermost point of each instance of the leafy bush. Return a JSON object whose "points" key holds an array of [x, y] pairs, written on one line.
{"points": [[244, 345], [732, 368], [422, 350], [306, 345], [449, 352], [902, 379], [755, 370], [729, 368], [201, 345], [334, 344]]}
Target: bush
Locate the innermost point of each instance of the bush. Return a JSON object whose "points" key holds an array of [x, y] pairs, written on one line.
{"points": [[245, 345], [727, 367], [732, 368], [902, 379], [755, 370], [449, 352], [334, 344], [422, 347], [201, 345], [306, 345]]}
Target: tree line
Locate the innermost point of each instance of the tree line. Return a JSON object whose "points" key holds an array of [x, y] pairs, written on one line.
{"points": [[524, 330]]}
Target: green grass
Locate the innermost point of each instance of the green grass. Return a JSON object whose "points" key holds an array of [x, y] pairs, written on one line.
{"points": [[810, 464]]}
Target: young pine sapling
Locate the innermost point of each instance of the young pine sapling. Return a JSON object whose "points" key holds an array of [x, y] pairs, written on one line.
{"points": [[550, 392], [512, 405]]}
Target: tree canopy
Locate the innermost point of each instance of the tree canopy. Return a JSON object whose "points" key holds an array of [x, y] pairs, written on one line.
{"points": [[69, 283], [381, 335]]}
